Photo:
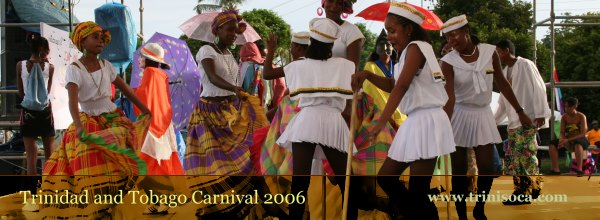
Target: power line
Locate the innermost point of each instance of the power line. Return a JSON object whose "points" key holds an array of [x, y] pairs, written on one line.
{"points": [[279, 5], [298, 9]]}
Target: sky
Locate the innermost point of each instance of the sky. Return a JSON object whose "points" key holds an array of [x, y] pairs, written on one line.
{"points": [[166, 16]]}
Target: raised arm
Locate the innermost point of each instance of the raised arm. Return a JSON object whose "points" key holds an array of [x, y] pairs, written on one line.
{"points": [[269, 72]]}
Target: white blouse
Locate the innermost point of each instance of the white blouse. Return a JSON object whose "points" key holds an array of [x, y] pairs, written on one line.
{"points": [[225, 66], [94, 88]]}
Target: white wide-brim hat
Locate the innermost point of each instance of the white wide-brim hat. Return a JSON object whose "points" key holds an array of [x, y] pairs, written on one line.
{"points": [[154, 52]]}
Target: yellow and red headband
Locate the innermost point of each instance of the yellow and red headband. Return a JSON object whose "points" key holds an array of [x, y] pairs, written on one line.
{"points": [[227, 16], [85, 29]]}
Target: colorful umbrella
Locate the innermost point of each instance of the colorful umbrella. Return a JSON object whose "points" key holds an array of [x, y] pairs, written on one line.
{"points": [[199, 26], [379, 11], [184, 77]]}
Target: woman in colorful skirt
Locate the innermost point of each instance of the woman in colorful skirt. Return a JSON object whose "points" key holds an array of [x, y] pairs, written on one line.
{"points": [[221, 127], [471, 69], [98, 152], [159, 149], [417, 90]]}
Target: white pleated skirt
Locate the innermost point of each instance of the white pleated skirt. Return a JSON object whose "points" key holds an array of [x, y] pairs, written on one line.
{"points": [[321, 125], [425, 134], [474, 126]]}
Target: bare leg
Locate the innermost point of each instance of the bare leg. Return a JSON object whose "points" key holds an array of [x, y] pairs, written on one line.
{"points": [[579, 156], [553, 151], [48, 146], [31, 150]]}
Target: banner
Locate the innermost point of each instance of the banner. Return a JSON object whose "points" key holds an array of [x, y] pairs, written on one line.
{"points": [[62, 53]]}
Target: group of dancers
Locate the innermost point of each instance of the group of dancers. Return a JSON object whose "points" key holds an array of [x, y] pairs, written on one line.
{"points": [[415, 108]]}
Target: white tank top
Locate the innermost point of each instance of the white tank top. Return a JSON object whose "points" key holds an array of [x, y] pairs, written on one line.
{"points": [[25, 74]]}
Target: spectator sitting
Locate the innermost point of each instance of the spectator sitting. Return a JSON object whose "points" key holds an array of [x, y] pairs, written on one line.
{"points": [[573, 126]]}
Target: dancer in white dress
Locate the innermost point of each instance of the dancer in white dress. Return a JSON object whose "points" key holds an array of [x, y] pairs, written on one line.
{"points": [[470, 70], [322, 86], [417, 90]]}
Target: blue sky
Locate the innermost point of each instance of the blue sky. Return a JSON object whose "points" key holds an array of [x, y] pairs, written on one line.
{"points": [[165, 16]]}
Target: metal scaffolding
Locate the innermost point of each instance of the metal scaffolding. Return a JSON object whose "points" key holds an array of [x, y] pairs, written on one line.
{"points": [[553, 84]]}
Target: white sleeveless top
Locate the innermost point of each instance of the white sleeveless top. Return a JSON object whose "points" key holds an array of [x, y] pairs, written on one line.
{"points": [[25, 74], [473, 81], [427, 88]]}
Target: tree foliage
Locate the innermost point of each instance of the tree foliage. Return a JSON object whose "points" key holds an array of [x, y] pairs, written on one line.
{"points": [[368, 46], [577, 59], [265, 22]]}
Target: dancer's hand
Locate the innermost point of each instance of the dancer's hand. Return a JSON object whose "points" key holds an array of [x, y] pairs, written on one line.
{"points": [[358, 79], [79, 130], [272, 42], [375, 130], [524, 119], [238, 92], [539, 122]]}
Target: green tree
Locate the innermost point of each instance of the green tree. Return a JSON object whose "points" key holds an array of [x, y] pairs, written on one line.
{"points": [[577, 50], [368, 46], [265, 22], [215, 5]]}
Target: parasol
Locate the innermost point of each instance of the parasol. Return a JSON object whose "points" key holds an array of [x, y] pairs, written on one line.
{"points": [[379, 11], [184, 77], [199, 26]]}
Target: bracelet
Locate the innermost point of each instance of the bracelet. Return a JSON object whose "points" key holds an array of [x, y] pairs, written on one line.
{"points": [[520, 110]]}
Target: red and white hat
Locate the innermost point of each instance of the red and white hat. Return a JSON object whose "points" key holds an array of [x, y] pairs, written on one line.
{"points": [[154, 52]]}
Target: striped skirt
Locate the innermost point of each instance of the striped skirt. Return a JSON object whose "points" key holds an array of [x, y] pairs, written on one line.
{"points": [[102, 161], [220, 136], [218, 148]]}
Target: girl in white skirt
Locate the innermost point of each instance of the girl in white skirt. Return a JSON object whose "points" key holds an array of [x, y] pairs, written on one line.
{"points": [[418, 90], [322, 86], [470, 69]]}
